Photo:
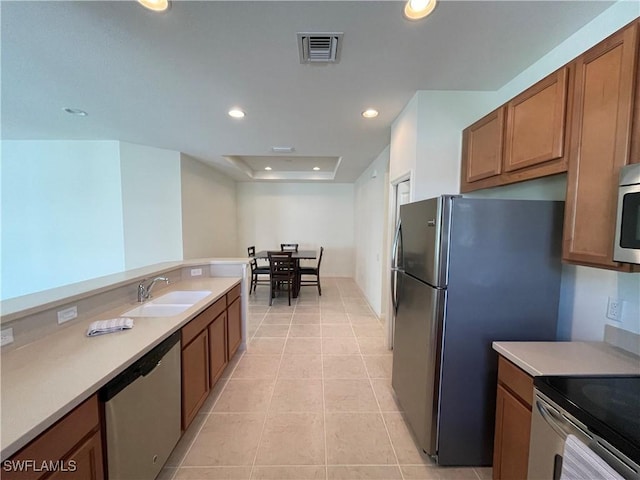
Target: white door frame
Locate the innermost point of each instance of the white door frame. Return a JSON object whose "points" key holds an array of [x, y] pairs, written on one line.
{"points": [[391, 225]]}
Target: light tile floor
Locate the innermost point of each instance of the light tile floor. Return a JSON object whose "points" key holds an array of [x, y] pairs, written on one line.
{"points": [[310, 398]]}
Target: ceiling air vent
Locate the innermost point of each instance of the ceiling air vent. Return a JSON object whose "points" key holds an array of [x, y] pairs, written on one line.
{"points": [[319, 47]]}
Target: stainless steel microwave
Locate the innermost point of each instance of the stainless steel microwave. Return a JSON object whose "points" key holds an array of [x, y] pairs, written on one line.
{"points": [[627, 244]]}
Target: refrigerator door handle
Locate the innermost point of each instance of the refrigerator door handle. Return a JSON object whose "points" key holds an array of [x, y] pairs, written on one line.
{"points": [[395, 269]]}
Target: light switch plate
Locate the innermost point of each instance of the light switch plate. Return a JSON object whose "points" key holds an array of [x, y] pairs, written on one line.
{"points": [[6, 337], [67, 314]]}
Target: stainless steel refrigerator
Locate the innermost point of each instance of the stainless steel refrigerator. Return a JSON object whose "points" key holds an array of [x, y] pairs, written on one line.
{"points": [[467, 272]]}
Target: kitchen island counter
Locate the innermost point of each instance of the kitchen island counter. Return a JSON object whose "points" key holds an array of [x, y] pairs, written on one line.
{"points": [[44, 380]]}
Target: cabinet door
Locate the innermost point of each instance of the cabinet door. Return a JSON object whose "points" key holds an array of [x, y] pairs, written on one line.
{"points": [[511, 445], [482, 147], [61, 443], [85, 463], [599, 147], [217, 348], [234, 327], [535, 123], [195, 377]]}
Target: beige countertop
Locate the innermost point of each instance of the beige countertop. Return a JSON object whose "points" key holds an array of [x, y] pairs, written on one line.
{"points": [[44, 380], [38, 301], [568, 358]]}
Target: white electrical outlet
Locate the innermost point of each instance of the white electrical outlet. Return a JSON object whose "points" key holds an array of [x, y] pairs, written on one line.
{"points": [[67, 314], [6, 337], [196, 272], [614, 309]]}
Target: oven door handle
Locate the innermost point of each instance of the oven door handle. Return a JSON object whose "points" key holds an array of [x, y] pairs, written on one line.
{"points": [[562, 425], [558, 422]]}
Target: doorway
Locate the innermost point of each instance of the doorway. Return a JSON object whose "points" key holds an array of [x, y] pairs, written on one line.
{"points": [[400, 194]]}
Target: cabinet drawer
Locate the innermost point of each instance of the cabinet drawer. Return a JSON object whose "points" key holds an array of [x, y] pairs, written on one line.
{"points": [[233, 294], [202, 321], [57, 442], [516, 380]]}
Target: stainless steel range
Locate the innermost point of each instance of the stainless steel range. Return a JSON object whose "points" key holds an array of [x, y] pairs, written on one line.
{"points": [[602, 412]]}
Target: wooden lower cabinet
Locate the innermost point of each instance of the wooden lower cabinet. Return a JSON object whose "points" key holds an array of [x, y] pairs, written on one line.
{"points": [[87, 462], [234, 326], [513, 426], [218, 358], [600, 144], [513, 422], [70, 449], [209, 341], [195, 377]]}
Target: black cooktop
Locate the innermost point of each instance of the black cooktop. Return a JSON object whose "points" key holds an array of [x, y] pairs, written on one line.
{"points": [[608, 405]]}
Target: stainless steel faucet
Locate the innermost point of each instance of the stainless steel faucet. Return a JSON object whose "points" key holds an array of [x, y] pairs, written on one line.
{"points": [[145, 292]]}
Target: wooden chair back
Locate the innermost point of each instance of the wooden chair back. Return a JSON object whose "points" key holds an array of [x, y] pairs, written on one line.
{"points": [[281, 265], [289, 247]]}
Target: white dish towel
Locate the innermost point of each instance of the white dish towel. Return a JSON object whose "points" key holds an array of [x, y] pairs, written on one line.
{"points": [[579, 462], [109, 326]]}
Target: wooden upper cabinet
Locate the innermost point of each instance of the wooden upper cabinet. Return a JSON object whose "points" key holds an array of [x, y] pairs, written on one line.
{"points": [[482, 147], [522, 140], [599, 146], [635, 130], [535, 123]]}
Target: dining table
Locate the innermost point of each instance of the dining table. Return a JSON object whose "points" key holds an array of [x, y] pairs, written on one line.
{"points": [[296, 256]]}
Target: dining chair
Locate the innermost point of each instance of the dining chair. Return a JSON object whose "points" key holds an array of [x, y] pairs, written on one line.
{"points": [[256, 270], [289, 247], [312, 271], [282, 271]]}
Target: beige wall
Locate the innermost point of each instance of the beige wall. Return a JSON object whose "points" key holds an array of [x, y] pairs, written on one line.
{"points": [[310, 214], [209, 213], [150, 204], [371, 205]]}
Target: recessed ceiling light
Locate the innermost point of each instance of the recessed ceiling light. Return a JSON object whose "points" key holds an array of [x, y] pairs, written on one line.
{"points": [[267, 168], [236, 113], [417, 9], [75, 111], [316, 168], [155, 5], [370, 113]]}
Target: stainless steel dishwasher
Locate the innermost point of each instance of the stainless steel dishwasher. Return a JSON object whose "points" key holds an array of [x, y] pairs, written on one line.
{"points": [[142, 413]]}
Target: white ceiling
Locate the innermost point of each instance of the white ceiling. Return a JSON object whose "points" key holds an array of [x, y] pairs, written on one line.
{"points": [[168, 80]]}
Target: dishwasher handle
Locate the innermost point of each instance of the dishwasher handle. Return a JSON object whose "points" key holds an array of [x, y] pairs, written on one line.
{"points": [[140, 368]]}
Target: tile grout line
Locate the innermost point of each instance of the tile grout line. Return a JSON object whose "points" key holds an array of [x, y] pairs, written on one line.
{"points": [[195, 437], [363, 329], [324, 407], [266, 413], [384, 422]]}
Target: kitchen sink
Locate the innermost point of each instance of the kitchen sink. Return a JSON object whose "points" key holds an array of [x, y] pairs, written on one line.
{"points": [[154, 310], [169, 304], [185, 297]]}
